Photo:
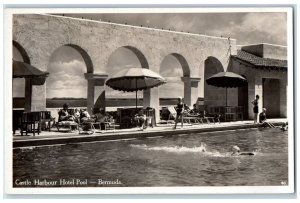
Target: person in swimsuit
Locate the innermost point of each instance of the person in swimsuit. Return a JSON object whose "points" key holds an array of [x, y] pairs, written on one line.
{"points": [[255, 108], [237, 152], [263, 119], [63, 114], [179, 111]]}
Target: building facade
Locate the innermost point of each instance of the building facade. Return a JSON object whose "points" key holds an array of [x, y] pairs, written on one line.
{"points": [[37, 36]]}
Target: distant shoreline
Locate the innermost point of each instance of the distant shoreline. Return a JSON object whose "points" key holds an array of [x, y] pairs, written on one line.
{"points": [[19, 102]]}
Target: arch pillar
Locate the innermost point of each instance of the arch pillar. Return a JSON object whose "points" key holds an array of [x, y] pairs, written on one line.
{"points": [[191, 92], [151, 99], [35, 94], [95, 91]]}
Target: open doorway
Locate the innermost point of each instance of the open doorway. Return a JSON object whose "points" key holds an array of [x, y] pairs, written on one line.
{"points": [[271, 97]]}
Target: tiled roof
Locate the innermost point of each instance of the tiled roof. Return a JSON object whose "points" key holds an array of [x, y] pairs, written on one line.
{"points": [[261, 62]]}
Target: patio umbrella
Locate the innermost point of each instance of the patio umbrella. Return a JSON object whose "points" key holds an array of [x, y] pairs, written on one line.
{"points": [[25, 70], [134, 79], [227, 79]]}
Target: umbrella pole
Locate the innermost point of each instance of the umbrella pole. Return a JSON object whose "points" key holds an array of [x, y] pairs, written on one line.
{"points": [[136, 99], [226, 96], [135, 93]]}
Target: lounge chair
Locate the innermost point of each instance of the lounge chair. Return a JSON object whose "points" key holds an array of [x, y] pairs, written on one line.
{"points": [[70, 125], [66, 124], [105, 124], [208, 117], [173, 113], [192, 119], [186, 118]]}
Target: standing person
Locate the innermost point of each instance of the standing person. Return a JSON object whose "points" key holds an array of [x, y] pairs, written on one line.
{"points": [[179, 111], [255, 108]]}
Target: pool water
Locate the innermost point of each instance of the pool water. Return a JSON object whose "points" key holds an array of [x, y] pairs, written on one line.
{"points": [[202, 159]]}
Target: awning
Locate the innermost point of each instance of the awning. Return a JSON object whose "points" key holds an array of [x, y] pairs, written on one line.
{"points": [[24, 70]]}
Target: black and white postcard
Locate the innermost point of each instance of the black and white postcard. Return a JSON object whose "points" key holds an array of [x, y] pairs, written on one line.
{"points": [[149, 100]]}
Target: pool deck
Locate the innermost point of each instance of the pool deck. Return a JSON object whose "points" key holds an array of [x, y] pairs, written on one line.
{"points": [[60, 138]]}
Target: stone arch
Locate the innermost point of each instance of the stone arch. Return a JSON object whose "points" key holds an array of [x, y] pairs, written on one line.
{"points": [[22, 51], [184, 64], [89, 67], [137, 52], [185, 78], [86, 57], [100, 98], [213, 96]]}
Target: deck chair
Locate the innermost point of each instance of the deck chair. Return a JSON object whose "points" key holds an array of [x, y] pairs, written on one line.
{"points": [[191, 119], [166, 117], [172, 111], [67, 124], [211, 118], [109, 123], [185, 117], [105, 124], [31, 122]]}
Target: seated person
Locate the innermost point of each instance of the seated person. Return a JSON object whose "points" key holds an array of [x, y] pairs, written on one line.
{"points": [[100, 117], [77, 115], [84, 115], [63, 114], [140, 118], [284, 126], [187, 109], [263, 119], [195, 110]]}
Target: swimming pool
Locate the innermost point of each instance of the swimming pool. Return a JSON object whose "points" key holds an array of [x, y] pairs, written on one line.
{"points": [[181, 160]]}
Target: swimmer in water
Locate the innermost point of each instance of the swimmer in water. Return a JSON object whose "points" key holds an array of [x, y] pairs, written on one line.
{"points": [[203, 145], [237, 152]]}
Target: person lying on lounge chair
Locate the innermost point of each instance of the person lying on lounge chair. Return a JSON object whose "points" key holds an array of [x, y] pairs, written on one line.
{"points": [[84, 115], [193, 112], [263, 119], [63, 114]]}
